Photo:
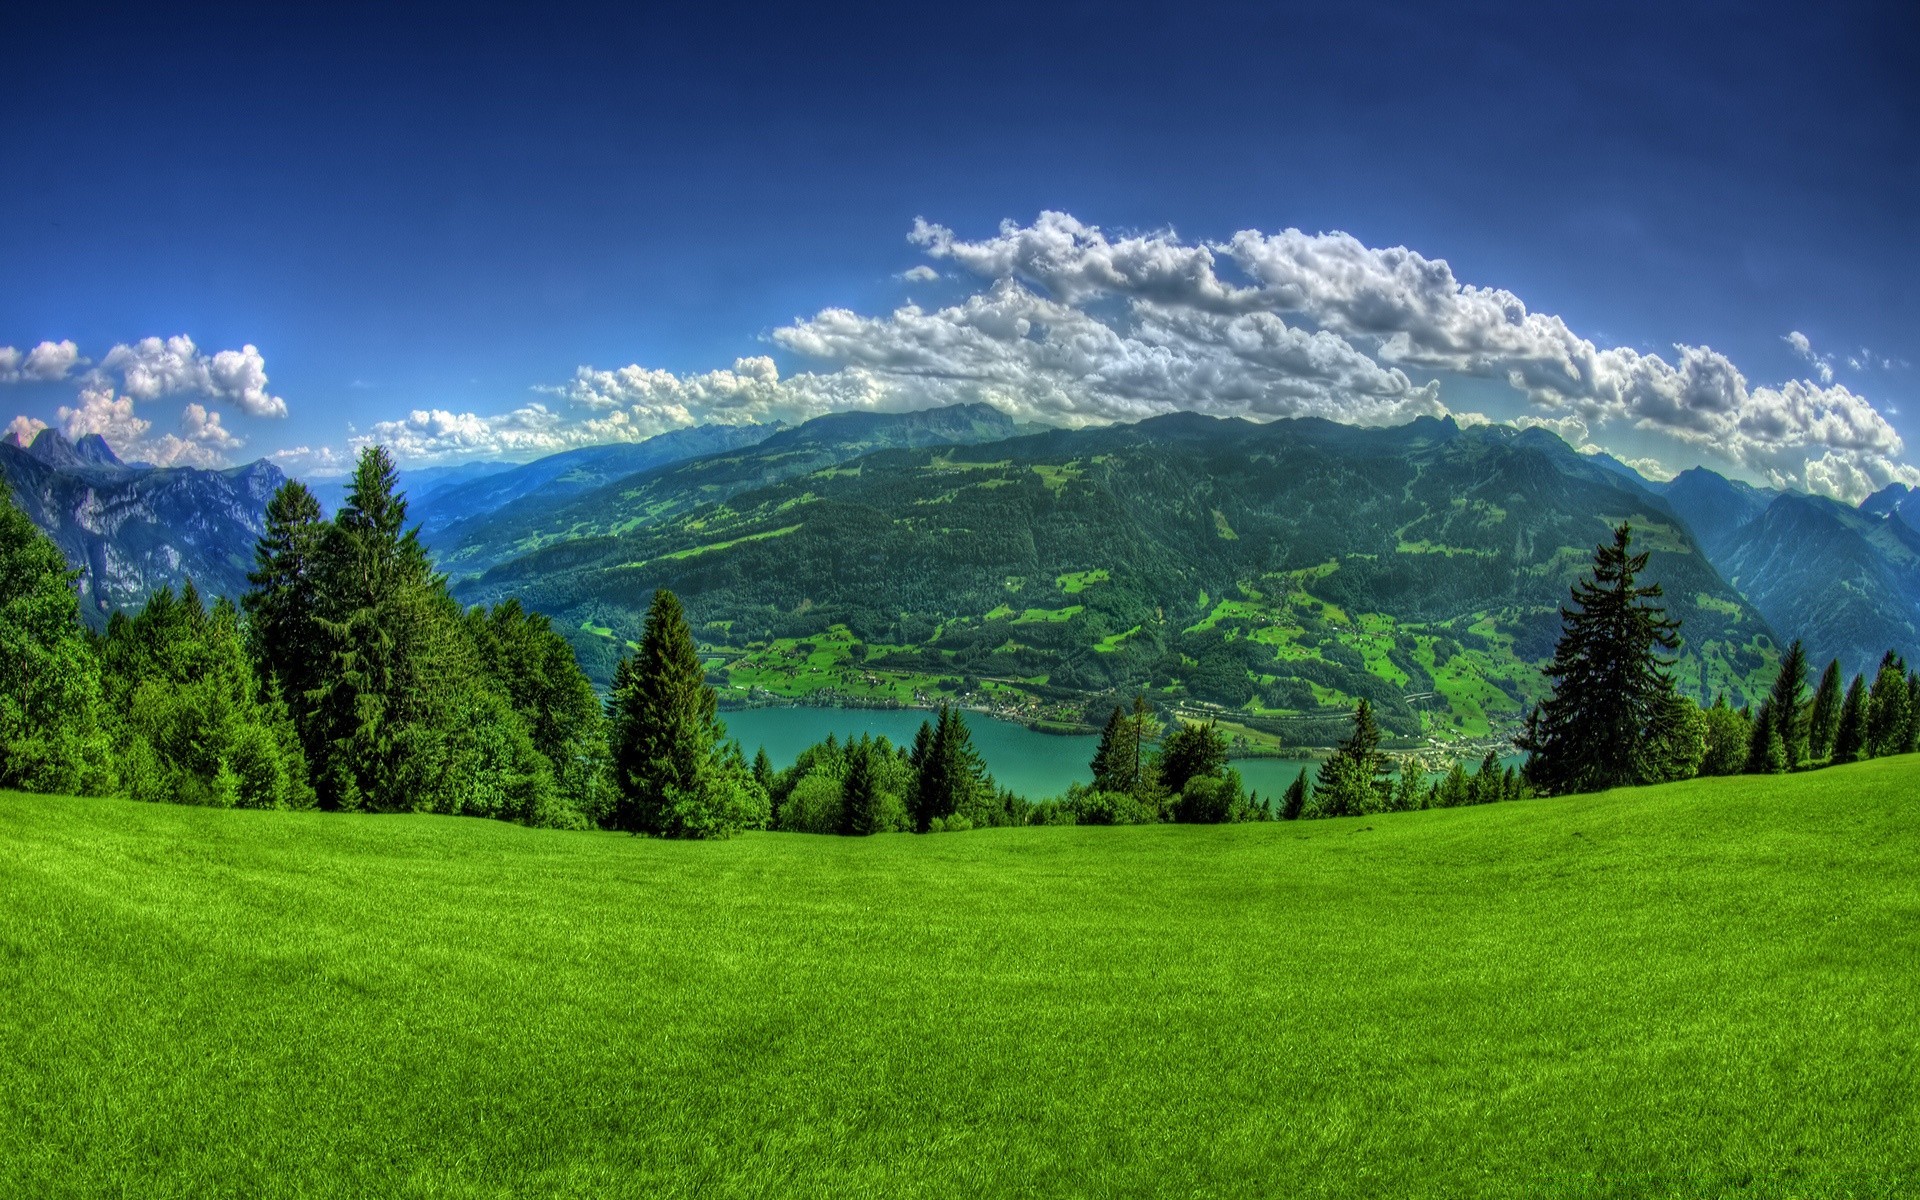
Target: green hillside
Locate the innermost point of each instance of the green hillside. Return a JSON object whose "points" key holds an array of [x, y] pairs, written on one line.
{"points": [[1279, 572], [1703, 989]]}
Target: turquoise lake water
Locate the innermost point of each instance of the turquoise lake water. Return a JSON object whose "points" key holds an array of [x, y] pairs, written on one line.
{"points": [[1035, 765]]}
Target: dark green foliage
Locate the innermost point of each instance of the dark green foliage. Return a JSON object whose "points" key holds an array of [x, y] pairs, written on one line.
{"points": [[1728, 736], [1191, 751], [1294, 805], [197, 724], [1116, 761], [673, 773], [283, 605], [1455, 788], [1611, 714], [1824, 721], [534, 667], [1353, 781], [861, 795], [1887, 707], [52, 734], [1212, 799], [1489, 786], [1913, 714], [949, 779], [1788, 707], [1850, 736]]}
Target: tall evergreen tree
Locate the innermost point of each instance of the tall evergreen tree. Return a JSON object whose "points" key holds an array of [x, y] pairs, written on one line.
{"points": [[1116, 761], [861, 790], [283, 605], [673, 773], [1353, 780], [1913, 713], [52, 723], [1824, 721], [1295, 802], [949, 778], [1788, 705], [1887, 707], [1611, 711], [1850, 737]]}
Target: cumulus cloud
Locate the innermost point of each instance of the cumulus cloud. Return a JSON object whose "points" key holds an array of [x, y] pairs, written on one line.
{"points": [[99, 410], [152, 367], [1822, 364], [920, 274], [23, 429], [202, 440], [1072, 325], [1408, 311], [310, 460], [45, 363]]}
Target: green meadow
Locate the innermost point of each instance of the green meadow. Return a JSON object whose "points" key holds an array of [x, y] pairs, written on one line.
{"points": [[1702, 989]]}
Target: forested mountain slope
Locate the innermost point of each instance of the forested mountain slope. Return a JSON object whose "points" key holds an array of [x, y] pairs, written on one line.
{"points": [[130, 529], [1280, 570], [648, 495]]}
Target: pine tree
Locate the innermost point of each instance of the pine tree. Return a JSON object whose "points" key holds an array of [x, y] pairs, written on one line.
{"points": [[1406, 792], [283, 605], [1789, 706], [1850, 737], [861, 791], [1351, 780], [1824, 722], [1611, 708], [52, 720], [1116, 761], [1455, 789], [396, 721], [1486, 781], [1887, 707], [1761, 741], [949, 779], [1295, 801], [674, 774]]}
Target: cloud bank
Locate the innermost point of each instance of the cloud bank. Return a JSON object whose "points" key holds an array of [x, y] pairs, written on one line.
{"points": [[144, 372], [1070, 325]]}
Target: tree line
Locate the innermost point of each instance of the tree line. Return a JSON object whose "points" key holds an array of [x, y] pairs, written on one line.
{"points": [[348, 678]]}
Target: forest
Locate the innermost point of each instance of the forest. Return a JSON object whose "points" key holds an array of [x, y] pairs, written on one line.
{"points": [[349, 678]]}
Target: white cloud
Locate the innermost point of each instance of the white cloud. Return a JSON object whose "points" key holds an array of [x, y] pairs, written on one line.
{"points": [[23, 429], [1821, 363], [45, 363], [111, 416], [151, 368], [1073, 326], [920, 274], [310, 460], [1409, 311], [203, 441]]}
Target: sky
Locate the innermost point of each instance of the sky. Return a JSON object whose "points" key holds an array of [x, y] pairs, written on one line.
{"points": [[1682, 233]]}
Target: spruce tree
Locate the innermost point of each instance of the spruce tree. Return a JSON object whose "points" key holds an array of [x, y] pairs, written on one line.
{"points": [[1850, 736], [1824, 722], [1352, 781], [1487, 781], [1789, 714], [283, 604], [1115, 762], [861, 790], [1295, 801], [1611, 710], [1761, 741], [1887, 707], [674, 774]]}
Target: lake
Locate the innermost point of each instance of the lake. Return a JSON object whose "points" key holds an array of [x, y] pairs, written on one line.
{"points": [[1035, 765]]}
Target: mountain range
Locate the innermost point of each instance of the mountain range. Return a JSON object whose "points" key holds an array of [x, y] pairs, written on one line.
{"points": [[128, 529], [1269, 573]]}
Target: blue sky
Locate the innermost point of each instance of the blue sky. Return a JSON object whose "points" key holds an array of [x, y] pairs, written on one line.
{"points": [[477, 213]]}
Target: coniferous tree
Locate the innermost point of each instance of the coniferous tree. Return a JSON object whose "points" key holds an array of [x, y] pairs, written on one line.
{"points": [[1761, 742], [674, 774], [1611, 712], [1850, 736], [1486, 781], [53, 734], [1788, 706], [1455, 789], [1887, 707], [1406, 792], [1192, 751], [861, 791], [283, 606], [1824, 721], [1116, 761], [1351, 781], [1296, 799]]}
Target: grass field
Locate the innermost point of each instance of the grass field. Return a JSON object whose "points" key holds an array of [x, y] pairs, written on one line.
{"points": [[1708, 989]]}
